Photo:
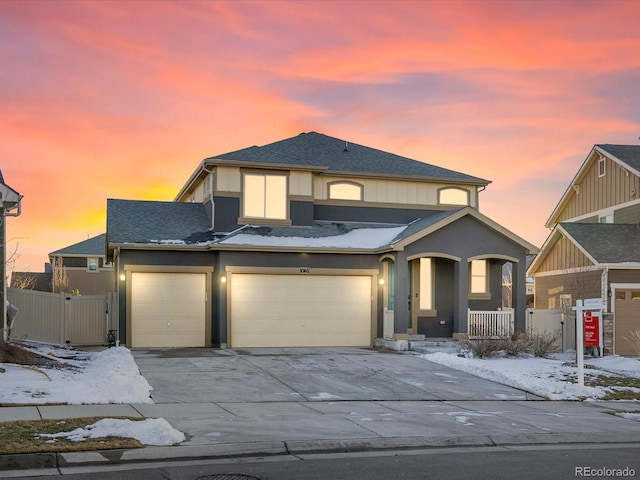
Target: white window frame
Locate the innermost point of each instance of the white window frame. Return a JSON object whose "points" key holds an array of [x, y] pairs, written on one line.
{"points": [[262, 211], [602, 167], [90, 260]]}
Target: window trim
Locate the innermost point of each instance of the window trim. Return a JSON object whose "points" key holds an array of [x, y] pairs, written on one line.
{"points": [[244, 218], [359, 186], [431, 307], [458, 189], [486, 294], [93, 270], [602, 167]]}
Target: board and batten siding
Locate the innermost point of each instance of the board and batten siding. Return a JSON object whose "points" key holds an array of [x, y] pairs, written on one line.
{"points": [[391, 191], [306, 184], [564, 255], [595, 193]]}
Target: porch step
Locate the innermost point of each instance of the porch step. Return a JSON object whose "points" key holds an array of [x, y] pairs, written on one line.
{"points": [[433, 345]]}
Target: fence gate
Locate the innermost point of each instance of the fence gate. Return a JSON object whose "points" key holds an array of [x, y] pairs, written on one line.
{"points": [[553, 322], [63, 318]]}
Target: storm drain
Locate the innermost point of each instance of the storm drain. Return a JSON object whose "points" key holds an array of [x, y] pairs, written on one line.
{"points": [[228, 476]]}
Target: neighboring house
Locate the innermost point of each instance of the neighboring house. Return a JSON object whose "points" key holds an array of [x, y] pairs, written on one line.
{"points": [[593, 250], [85, 266], [40, 281], [309, 241]]}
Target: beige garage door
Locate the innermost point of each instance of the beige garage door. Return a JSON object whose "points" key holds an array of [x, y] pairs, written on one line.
{"points": [[627, 320], [300, 310], [168, 309]]}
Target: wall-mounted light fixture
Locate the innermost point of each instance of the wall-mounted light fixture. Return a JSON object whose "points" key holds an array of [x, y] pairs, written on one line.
{"points": [[223, 279], [381, 281], [123, 277]]}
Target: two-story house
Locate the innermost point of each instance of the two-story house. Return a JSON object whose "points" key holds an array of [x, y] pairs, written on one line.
{"points": [[593, 250], [83, 268], [309, 241]]}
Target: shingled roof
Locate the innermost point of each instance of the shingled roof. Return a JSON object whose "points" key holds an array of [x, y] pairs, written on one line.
{"points": [[92, 246], [151, 222], [629, 154], [336, 155], [606, 242]]}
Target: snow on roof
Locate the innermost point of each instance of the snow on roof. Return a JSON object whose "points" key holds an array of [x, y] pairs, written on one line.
{"points": [[363, 238]]}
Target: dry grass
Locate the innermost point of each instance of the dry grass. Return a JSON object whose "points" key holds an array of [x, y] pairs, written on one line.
{"points": [[22, 437]]}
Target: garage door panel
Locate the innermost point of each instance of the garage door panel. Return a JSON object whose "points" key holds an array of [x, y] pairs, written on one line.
{"points": [[294, 310], [168, 309], [627, 319]]}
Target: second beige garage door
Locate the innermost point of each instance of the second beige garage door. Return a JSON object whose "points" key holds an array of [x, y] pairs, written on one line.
{"points": [[300, 310]]}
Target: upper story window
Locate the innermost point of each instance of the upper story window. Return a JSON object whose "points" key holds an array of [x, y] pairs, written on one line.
{"points": [[606, 218], [92, 264], [453, 196], [265, 196], [345, 191], [602, 167]]}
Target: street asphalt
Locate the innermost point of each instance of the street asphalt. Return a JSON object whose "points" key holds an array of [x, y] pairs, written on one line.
{"points": [[254, 402]]}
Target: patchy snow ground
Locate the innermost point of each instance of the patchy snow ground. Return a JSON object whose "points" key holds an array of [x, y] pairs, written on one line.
{"points": [[109, 376], [547, 377], [152, 431]]}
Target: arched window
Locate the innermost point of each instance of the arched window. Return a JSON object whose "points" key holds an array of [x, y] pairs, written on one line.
{"points": [[453, 196], [345, 191]]}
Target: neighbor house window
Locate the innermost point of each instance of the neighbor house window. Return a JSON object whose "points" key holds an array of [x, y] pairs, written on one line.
{"points": [[478, 277], [92, 264], [345, 191], [453, 196], [426, 284], [602, 168], [565, 301], [265, 196], [606, 218]]}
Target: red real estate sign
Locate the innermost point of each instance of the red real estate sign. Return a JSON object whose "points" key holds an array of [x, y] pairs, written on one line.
{"points": [[591, 329]]}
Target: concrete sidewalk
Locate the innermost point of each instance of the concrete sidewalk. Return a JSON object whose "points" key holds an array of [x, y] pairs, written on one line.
{"points": [[288, 428]]}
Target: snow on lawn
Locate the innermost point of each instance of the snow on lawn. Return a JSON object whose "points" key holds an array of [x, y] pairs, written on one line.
{"points": [[547, 377], [110, 376], [152, 431]]}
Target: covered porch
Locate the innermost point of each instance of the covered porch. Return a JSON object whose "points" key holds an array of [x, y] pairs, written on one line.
{"points": [[449, 282]]}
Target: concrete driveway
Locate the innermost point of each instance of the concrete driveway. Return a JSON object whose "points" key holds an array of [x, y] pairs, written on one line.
{"points": [[310, 400], [307, 375]]}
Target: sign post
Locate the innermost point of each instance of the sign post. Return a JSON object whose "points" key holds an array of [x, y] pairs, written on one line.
{"points": [[588, 330]]}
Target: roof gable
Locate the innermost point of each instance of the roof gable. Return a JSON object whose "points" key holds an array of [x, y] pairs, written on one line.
{"points": [[315, 150], [627, 156]]}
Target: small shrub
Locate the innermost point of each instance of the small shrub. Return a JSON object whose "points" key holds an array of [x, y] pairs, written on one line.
{"points": [[482, 347], [542, 344]]}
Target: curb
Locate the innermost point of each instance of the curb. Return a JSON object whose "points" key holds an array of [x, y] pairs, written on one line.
{"points": [[298, 447]]}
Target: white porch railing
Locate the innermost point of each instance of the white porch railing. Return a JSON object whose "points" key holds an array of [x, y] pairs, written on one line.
{"points": [[487, 324]]}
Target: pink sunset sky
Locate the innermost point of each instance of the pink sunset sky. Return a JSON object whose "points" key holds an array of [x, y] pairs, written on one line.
{"points": [[109, 99]]}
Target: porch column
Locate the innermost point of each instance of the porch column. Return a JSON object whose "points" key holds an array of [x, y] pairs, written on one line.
{"points": [[519, 293], [460, 296], [402, 308]]}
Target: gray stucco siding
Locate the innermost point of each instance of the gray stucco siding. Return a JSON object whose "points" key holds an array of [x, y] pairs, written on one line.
{"points": [[227, 211]]}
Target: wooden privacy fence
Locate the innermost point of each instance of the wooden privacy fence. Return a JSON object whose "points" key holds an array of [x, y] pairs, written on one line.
{"points": [[63, 318], [490, 324]]}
